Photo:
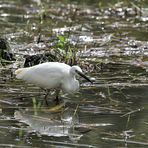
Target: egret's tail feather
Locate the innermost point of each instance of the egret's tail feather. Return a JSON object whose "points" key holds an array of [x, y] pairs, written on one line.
{"points": [[20, 72]]}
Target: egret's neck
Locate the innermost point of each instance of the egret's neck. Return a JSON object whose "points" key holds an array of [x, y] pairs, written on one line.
{"points": [[70, 84], [72, 74]]}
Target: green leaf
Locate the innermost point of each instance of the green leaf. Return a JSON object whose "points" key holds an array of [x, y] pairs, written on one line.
{"points": [[61, 38]]}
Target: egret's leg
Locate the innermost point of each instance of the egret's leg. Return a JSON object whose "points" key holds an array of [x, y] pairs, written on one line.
{"points": [[45, 98], [57, 96]]}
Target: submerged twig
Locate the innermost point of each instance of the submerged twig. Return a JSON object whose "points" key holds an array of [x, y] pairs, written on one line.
{"points": [[69, 144], [109, 96], [13, 145], [132, 112], [129, 115], [123, 140]]}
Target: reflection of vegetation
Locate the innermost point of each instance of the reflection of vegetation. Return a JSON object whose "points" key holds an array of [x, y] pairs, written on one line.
{"points": [[36, 106]]}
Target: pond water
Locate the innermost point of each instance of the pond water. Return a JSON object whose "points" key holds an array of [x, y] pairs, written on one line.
{"points": [[112, 42]]}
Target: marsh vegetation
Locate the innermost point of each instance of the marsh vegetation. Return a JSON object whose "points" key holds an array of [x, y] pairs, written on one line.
{"points": [[108, 40]]}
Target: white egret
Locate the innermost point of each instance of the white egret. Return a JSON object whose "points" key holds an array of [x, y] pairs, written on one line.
{"points": [[52, 75]]}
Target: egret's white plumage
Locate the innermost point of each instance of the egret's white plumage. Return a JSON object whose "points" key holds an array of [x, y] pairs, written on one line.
{"points": [[52, 75]]}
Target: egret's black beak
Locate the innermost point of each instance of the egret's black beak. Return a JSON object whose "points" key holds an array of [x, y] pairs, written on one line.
{"points": [[82, 75]]}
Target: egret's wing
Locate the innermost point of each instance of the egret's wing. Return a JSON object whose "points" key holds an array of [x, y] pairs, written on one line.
{"points": [[48, 76]]}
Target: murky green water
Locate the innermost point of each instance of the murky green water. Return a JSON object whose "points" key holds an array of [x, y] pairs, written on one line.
{"points": [[112, 112]]}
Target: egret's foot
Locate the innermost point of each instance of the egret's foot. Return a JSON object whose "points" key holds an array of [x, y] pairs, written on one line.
{"points": [[46, 102], [45, 98], [57, 100]]}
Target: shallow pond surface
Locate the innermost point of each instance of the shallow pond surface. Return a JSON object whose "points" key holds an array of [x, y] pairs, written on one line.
{"points": [[113, 48]]}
